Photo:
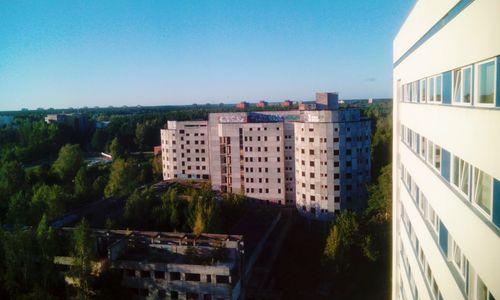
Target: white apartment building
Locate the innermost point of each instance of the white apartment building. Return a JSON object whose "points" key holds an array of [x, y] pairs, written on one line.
{"points": [[316, 159], [184, 150], [446, 162]]}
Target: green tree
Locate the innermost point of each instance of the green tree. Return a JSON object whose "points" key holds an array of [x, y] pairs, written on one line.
{"points": [[47, 244], [380, 200], [12, 179], [199, 223], [82, 253], [99, 185], [115, 149], [157, 168], [19, 209], [99, 139], [50, 199], [68, 162], [343, 237], [144, 135], [20, 258], [122, 179], [139, 207], [83, 183]]}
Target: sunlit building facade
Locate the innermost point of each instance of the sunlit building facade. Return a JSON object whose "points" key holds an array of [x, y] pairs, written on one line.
{"points": [[317, 159], [446, 152]]}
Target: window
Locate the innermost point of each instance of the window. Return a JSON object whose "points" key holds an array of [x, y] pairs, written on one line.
{"points": [[175, 276], [423, 147], [482, 292], [486, 83], [430, 90], [482, 190], [423, 205], [423, 90], [457, 257], [438, 86], [462, 86], [437, 157], [433, 219], [460, 174], [414, 91], [430, 151]]}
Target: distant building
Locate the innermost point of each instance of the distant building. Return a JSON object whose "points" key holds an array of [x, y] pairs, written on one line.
{"points": [[317, 159], [76, 121], [262, 104], [286, 103], [55, 118], [168, 265], [446, 152], [242, 105], [370, 100]]}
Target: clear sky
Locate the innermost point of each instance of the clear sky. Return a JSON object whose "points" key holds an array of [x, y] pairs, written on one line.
{"points": [[97, 53]]}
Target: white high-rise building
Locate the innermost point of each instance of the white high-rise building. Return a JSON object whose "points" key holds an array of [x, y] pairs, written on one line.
{"points": [[446, 152], [317, 159]]}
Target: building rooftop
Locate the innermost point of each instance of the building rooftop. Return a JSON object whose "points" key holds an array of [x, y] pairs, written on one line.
{"points": [[166, 247]]}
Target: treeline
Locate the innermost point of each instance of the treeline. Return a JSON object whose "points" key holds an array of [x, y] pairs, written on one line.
{"points": [[30, 141]]}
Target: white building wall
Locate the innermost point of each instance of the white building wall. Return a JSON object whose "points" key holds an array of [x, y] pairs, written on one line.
{"points": [[470, 132]]}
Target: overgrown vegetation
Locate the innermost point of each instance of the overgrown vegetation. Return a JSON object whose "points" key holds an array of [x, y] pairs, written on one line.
{"points": [[179, 208]]}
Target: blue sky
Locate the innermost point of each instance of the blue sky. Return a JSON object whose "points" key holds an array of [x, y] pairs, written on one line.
{"points": [[98, 53]]}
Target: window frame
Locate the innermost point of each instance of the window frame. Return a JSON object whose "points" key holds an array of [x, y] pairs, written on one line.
{"points": [[462, 86], [423, 148], [452, 178], [476, 82], [430, 95], [462, 269], [473, 194], [423, 91], [440, 77]]}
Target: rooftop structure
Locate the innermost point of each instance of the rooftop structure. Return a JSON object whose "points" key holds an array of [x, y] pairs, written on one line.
{"points": [[446, 162]]}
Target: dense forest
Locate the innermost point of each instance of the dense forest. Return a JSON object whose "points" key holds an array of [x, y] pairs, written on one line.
{"points": [[44, 174]]}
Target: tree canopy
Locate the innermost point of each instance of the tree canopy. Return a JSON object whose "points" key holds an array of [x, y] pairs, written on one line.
{"points": [[68, 162]]}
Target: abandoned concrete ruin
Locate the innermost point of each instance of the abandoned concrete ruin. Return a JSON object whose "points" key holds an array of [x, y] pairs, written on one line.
{"points": [[166, 265]]}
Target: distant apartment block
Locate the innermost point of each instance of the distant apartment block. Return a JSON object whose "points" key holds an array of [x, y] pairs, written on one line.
{"points": [[262, 104], [446, 146], [317, 160], [168, 265], [286, 103], [242, 105]]}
